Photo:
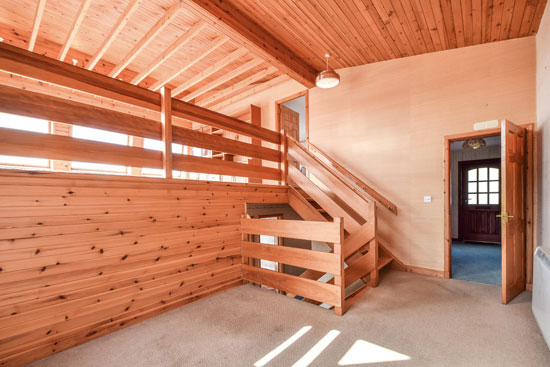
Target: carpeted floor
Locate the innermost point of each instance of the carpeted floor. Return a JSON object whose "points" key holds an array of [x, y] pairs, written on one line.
{"points": [[477, 262], [409, 320]]}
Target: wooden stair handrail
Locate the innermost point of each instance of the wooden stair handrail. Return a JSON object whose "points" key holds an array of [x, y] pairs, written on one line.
{"points": [[357, 181]]}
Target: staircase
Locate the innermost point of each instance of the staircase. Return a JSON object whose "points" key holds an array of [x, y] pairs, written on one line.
{"points": [[320, 189]]}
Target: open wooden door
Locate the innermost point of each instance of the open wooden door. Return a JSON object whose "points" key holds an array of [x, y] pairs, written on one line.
{"points": [[513, 210], [290, 121]]}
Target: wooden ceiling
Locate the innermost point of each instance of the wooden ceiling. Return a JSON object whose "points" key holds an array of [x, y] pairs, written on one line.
{"points": [[213, 53], [358, 32]]}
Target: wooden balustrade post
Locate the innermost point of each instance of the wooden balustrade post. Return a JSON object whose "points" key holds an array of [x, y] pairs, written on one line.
{"points": [[339, 280], [166, 119], [284, 157]]}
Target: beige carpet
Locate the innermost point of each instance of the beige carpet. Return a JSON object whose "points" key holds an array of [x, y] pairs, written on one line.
{"points": [[409, 320]]}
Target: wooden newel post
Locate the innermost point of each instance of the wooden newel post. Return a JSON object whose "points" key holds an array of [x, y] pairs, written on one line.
{"points": [[339, 280], [166, 119], [284, 157]]}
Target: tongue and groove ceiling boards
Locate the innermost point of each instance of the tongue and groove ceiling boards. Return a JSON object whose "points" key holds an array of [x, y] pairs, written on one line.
{"points": [[213, 53]]}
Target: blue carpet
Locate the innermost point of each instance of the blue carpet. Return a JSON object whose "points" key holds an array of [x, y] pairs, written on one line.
{"points": [[479, 263]]}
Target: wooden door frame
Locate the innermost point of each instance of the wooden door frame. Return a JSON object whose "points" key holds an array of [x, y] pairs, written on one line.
{"points": [[290, 98], [530, 188], [461, 188]]}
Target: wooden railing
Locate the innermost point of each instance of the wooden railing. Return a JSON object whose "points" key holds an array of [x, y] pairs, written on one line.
{"points": [[323, 262], [340, 170], [147, 114]]}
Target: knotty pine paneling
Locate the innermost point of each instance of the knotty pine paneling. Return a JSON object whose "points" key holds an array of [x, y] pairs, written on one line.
{"points": [[85, 255]]}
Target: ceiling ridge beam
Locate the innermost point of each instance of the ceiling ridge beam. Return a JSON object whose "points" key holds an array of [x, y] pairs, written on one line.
{"points": [[171, 50], [121, 22], [238, 86], [198, 56], [159, 26], [244, 31], [224, 78], [37, 20], [210, 70], [84, 5]]}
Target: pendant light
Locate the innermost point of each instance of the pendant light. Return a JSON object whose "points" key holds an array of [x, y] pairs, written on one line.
{"points": [[327, 78], [474, 143]]}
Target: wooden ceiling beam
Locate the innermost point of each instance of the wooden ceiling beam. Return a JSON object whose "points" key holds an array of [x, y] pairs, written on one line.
{"points": [[171, 50], [193, 59], [159, 26], [236, 87], [84, 5], [210, 70], [244, 31], [121, 22], [224, 78], [37, 20], [253, 89]]}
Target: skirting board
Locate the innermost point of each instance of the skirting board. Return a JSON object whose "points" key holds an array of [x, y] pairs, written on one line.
{"points": [[426, 271]]}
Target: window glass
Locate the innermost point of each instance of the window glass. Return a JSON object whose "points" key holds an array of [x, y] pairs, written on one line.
{"points": [[494, 186], [482, 186], [103, 136], [483, 174], [472, 199], [493, 174], [472, 175], [85, 166], [472, 186], [493, 199], [482, 199]]}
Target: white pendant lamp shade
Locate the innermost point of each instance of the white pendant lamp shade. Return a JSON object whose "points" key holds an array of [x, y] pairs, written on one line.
{"points": [[327, 78]]}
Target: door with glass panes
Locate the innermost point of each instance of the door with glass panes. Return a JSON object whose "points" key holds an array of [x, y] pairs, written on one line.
{"points": [[480, 200]]}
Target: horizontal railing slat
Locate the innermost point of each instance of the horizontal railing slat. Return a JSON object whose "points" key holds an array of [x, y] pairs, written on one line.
{"points": [[32, 65], [304, 230], [189, 163], [307, 288], [37, 145], [315, 260], [37, 105]]}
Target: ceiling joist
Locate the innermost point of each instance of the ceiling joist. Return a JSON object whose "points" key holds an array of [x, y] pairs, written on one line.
{"points": [[236, 87], [210, 70], [121, 22], [74, 29], [252, 89], [146, 39], [37, 20], [223, 79], [171, 50], [195, 58], [242, 30]]}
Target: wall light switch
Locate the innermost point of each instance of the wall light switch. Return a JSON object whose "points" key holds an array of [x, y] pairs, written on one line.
{"points": [[427, 199]]}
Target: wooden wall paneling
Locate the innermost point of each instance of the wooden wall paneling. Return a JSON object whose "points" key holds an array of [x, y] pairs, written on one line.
{"points": [[84, 255]]}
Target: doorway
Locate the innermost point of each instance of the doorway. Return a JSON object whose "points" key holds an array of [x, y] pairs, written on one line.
{"points": [[475, 205], [515, 194], [292, 115]]}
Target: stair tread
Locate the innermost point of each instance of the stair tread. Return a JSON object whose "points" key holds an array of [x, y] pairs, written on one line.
{"points": [[384, 260]]}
